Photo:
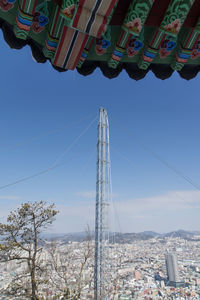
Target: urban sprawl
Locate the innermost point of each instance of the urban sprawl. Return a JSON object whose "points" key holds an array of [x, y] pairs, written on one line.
{"points": [[157, 268]]}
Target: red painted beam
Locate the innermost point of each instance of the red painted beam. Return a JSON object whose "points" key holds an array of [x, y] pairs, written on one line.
{"points": [[193, 15], [154, 19], [156, 15], [120, 12]]}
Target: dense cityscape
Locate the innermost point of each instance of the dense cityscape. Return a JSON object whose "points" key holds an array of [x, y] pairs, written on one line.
{"points": [[118, 267], [136, 270]]}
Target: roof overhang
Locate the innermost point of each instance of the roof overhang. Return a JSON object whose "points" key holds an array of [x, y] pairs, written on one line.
{"points": [[136, 35]]}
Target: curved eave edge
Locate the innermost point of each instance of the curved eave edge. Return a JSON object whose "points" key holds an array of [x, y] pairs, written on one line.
{"points": [[161, 71]]}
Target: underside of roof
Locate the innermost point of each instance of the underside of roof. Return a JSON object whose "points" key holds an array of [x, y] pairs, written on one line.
{"points": [[135, 35]]}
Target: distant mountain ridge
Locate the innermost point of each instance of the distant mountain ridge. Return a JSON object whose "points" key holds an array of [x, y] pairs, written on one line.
{"points": [[122, 237]]}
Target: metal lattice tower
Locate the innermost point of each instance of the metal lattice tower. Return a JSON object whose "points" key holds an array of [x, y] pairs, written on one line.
{"points": [[102, 202]]}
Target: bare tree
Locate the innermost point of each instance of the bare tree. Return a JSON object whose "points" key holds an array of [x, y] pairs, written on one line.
{"points": [[67, 268], [21, 242]]}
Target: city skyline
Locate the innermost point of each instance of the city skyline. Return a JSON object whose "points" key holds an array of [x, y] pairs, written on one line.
{"points": [[139, 269]]}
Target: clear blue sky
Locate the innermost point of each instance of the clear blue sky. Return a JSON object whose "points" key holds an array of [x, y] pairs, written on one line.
{"points": [[36, 100]]}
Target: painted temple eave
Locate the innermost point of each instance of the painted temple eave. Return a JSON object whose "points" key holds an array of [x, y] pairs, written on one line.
{"points": [[138, 36]]}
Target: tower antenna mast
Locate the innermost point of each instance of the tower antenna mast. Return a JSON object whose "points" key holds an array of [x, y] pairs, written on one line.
{"points": [[102, 202]]}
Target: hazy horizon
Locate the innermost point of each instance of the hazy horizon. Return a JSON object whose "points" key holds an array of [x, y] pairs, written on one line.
{"points": [[84, 232]]}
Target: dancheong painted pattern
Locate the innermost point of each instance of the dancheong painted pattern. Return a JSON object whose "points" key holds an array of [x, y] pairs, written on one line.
{"points": [[136, 35]]}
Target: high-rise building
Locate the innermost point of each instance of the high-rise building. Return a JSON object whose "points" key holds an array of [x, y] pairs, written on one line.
{"points": [[172, 269]]}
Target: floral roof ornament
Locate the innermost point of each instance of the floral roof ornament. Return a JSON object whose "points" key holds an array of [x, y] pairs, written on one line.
{"points": [[135, 35]]}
